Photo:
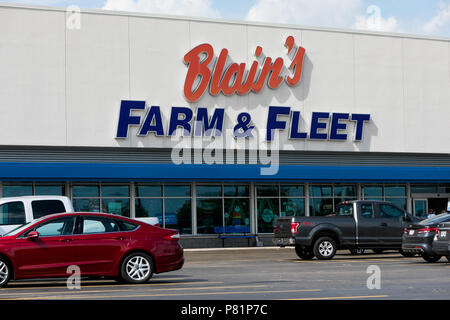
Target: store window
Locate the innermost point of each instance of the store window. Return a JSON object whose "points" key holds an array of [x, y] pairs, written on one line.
{"points": [[113, 199], [278, 200], [237, 208], [170, 203], [325, 198], [30, 189], [223, 209], [392, 193], [209, 209]]}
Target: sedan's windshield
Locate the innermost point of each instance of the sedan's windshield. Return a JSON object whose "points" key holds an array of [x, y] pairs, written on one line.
{"points": [[435, 220], [19, 229]]}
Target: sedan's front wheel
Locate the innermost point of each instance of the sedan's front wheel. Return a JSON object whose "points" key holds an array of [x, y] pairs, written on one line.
{"points": [[5, 273], [137, 268]]}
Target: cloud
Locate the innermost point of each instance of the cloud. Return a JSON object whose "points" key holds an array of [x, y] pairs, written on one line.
{"points": [[199, 8], [439, 21], [331, 13], [374, 21]]}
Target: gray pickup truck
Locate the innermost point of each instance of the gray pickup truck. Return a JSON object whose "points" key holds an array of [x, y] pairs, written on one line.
{"points": [[356, 225]]}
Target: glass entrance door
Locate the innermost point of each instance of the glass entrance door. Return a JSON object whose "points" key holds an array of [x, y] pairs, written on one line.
{"points": [[420, 207]]}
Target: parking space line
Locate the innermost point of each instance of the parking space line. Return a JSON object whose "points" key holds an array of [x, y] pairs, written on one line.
{"points": [[162, 295], [87, 292], [340, 298], [114, 285], [406, 260]]}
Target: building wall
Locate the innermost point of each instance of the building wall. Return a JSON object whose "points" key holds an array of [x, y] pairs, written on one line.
{"points": [[62, 87]]}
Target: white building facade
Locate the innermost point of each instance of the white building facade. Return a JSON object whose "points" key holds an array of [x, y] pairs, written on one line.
{"points": [[217, 126]]}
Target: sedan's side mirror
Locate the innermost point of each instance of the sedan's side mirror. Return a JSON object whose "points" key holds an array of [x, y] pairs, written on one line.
{"points": [[33, 235]]}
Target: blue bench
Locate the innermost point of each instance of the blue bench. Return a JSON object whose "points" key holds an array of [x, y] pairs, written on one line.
{"points": [[234, 232]]}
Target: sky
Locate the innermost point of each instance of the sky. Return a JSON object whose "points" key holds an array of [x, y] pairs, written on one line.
{"points": [[420, 17]]}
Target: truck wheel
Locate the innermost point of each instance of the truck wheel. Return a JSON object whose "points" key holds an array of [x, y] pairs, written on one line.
{"points": [[407, 254], [431, 259], [304, 253], [324, 248], [357, 251]]}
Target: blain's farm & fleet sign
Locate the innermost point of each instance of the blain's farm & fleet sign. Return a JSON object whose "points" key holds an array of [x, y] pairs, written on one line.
{"points": [[214, 75]]}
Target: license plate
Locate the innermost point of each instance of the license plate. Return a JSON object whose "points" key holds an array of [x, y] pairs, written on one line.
{"points": [[443, 234], [411, 232]]}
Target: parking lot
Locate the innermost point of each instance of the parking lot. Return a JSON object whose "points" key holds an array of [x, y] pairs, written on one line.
{"points": [[262, 274]]}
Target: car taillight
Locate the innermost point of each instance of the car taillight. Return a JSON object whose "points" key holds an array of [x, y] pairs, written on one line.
{"points": [[405, 230], [425, 230], [294, 227], [172, 236]]}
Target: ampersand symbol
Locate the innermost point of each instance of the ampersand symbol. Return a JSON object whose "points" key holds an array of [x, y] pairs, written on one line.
{"points": [[243, 129]]}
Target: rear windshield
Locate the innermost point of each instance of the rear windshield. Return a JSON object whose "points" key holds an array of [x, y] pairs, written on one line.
{"points": [[436, 219], [344, 209]]}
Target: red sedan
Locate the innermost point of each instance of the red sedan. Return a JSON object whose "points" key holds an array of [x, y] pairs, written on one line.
{"points": [[99, 244]]}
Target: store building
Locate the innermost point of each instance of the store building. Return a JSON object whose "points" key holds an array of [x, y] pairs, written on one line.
{"points": [[288, 120]]}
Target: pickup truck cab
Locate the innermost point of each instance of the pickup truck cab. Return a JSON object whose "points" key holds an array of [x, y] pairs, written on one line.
{"points": [[356, 225], [16, 211]]}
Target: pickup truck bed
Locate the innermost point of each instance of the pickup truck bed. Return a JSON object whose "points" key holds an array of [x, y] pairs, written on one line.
{"points": [[356, 225]]}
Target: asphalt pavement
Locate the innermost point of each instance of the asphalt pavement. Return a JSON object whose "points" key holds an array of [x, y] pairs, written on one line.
{"points": [[263, 274]]}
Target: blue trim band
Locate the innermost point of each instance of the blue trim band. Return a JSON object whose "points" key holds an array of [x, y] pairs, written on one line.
{"points": [[43, 171]]}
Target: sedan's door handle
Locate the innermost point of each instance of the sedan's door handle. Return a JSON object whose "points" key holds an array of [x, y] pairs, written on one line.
{"points": [[66, 240], [384, 224], [119, 238]]}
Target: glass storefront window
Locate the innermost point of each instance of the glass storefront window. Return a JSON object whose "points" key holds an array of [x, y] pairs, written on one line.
{"points": [[17, 190], [423, 188], [268, 210], [267, 191], [86, 191], [237, 215], [292, 207], [118, 206], [86, 205], [109, 191], [395, 191], [294, 191], [170, 203], [148, 191], [401, 202], [209, 215], [177, 214], [345, 191], [320, 191], [236, 190], [177, 191], [373, 192], [30, 189], [114, 199], [278, 200], [146, 208], [54, 190], [209, 191], [320, 206], [444, 188]]}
